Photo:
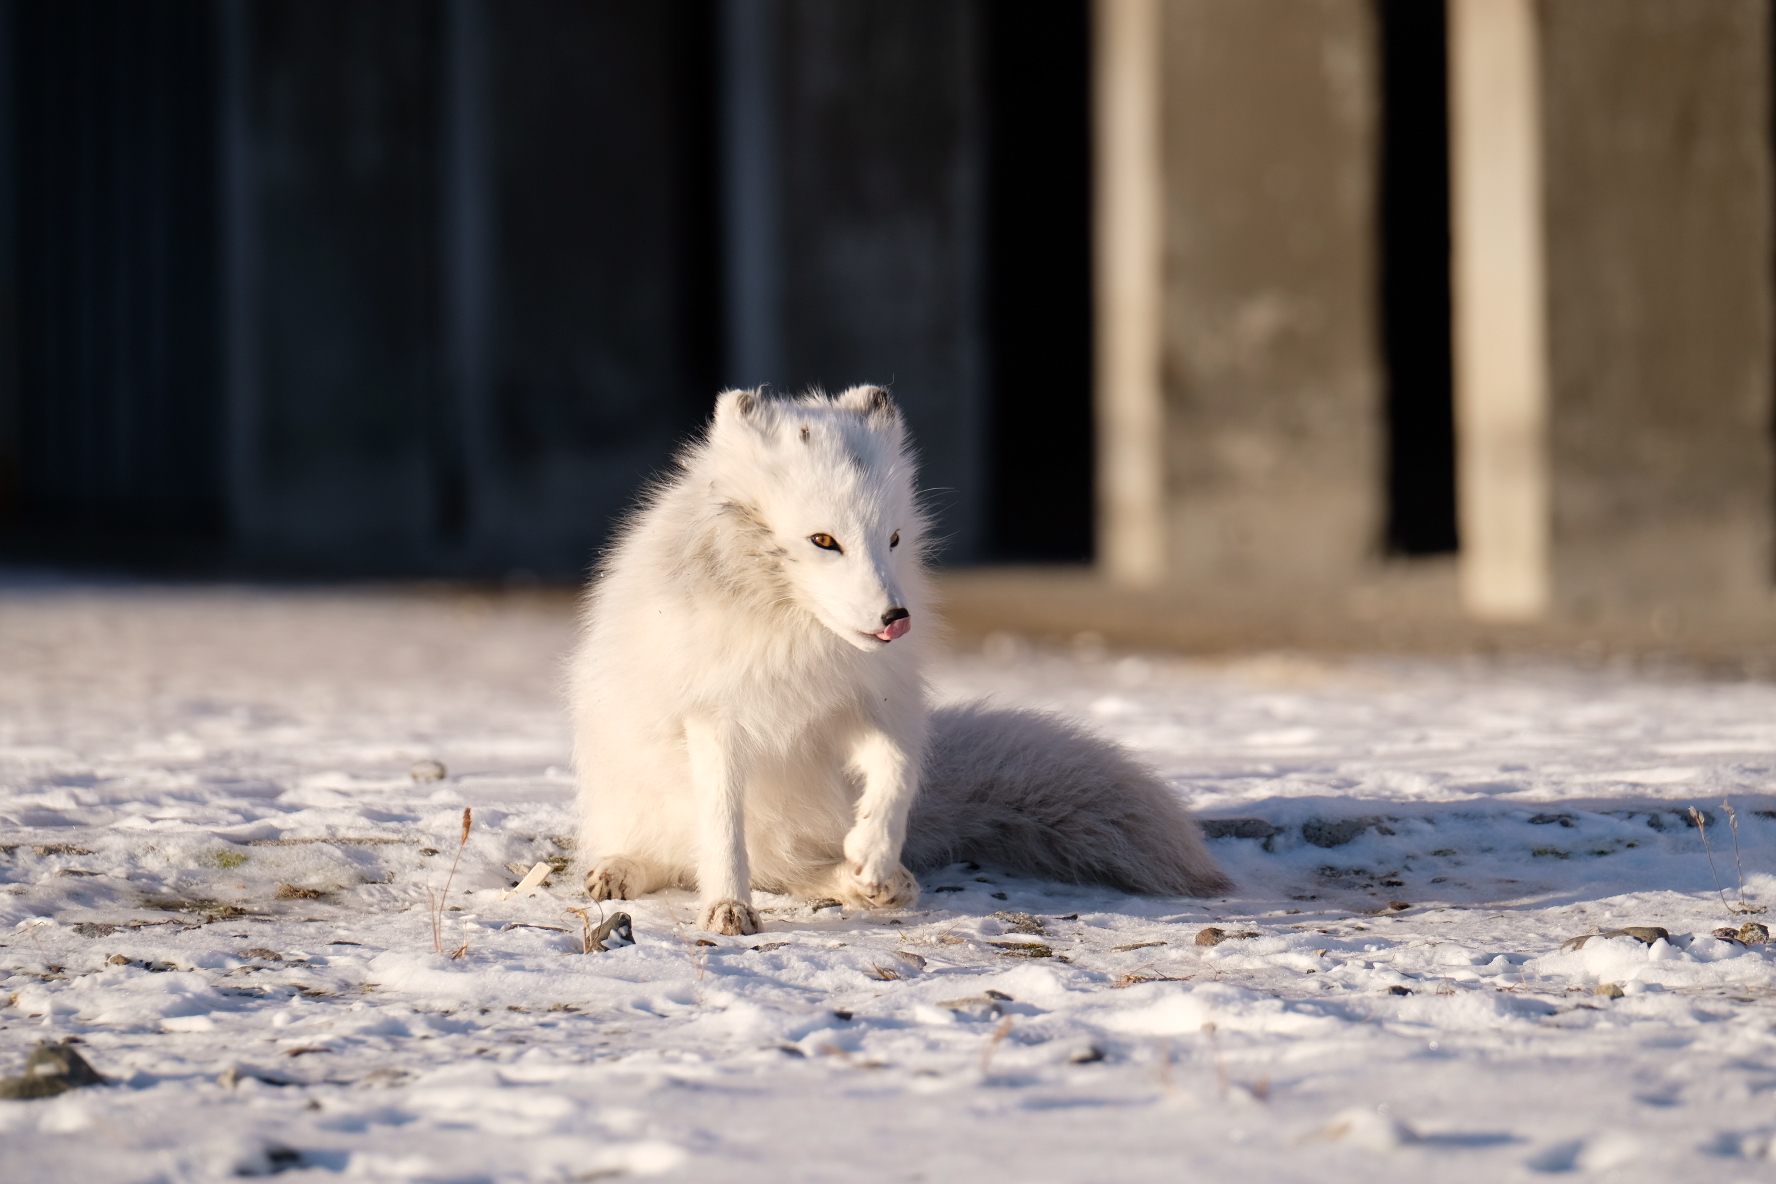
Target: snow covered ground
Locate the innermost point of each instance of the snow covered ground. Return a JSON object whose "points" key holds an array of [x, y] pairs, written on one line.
{"points": [[214, 867]]}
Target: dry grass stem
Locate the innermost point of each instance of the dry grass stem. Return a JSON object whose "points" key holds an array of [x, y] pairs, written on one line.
{"points": [[993, 1042], [1702, 829], [1738, 864], [586, 927], [441, 901], [697, 953], [1220, 1064]]}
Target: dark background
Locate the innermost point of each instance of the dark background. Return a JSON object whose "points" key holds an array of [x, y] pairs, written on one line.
{"points": [[405, 287]]}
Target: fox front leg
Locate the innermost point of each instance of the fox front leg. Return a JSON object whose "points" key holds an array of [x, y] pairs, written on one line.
{"points": [[718, 778], [871, 875]]}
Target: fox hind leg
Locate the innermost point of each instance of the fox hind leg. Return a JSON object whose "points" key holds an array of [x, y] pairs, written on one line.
{"points": [[623, 877], [897, 889]]}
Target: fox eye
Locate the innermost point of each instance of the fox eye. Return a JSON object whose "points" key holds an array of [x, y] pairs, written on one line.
{"points": [[894, 540], [826, 542]]}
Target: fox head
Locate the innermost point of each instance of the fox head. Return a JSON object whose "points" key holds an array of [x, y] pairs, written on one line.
{"points": [[824, 487]]}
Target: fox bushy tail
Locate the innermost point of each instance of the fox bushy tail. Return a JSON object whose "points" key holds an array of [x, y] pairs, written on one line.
{"points": [[1034, 793]]}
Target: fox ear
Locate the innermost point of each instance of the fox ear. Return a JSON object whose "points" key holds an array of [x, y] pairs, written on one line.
{"points": [[872, 402], [733, 405]]}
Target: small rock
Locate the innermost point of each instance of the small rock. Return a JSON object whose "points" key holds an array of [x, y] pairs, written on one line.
{"points": [[236, 1073], [1609, 990], [428, 770], [999, 995], [51, 1069], [296, 892], [1647, 934], [1726, 933], [1023, 949], [265, 955], [704, 941], [1397, 989], [769, 946], [94, 929], [1643, 933], [1212, 936], [1238, 828], [825, 902], [1021, 923], [1398, 906], [1566, 820], [615, 931], [976, 1007], [1085, 1056], [1754, 933], [1372, 1130], [915, 959], [1322, 833]]}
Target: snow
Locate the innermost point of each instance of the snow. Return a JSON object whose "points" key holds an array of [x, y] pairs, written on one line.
{"points": [[215, 866]]}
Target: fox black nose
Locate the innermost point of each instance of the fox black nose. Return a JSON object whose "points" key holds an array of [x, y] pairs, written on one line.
{"points": [[897, 613]]}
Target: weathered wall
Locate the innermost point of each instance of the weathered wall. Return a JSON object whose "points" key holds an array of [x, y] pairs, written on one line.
{"points": [[1656, 117], [1272, 392]]}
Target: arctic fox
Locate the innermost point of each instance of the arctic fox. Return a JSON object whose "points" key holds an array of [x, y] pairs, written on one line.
{"points": [[749, 707]]}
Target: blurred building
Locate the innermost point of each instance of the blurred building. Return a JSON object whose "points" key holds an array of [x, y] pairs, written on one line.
{"points": [[431, 286], [1356, 310], [1490, 276]]}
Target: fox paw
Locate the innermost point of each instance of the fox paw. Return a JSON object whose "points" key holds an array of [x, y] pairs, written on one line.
{"points": [[615, 878], [732, 917], [895, 890]]}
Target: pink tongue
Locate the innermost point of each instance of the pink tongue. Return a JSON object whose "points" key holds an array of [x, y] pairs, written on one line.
{"points": [[897, 629]]}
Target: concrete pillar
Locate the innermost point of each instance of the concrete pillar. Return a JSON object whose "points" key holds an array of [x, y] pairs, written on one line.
{"points": [[1656, 127], [1256, 377], [1128, 256], [1612, 201], [1501, 380]]}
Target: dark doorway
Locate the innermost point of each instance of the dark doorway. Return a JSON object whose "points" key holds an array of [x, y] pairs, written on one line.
{"points": [[116, 435], [1415, 278], [1038, 249]]}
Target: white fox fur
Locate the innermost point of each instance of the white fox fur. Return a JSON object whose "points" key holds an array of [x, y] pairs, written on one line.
{"points": [[747, 712]]}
